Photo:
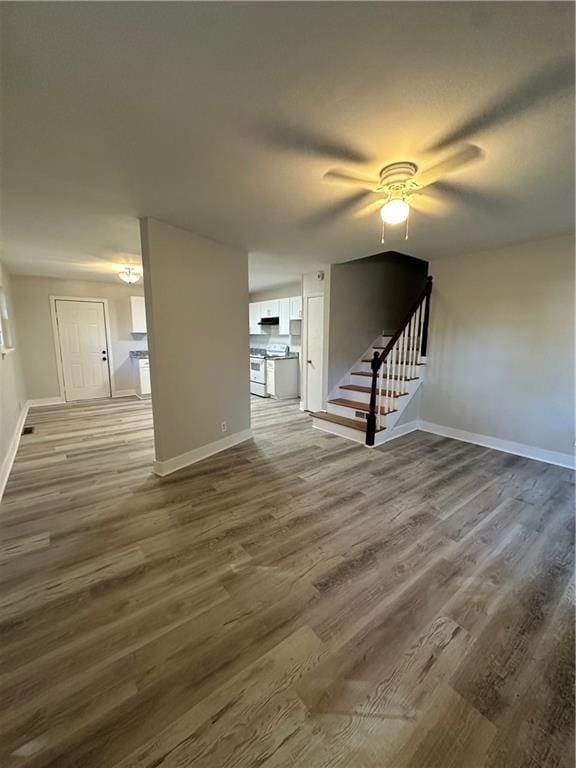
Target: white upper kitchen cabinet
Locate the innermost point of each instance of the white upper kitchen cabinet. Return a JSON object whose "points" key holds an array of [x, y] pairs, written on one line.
{"points": [[284, 315], [296, 308], [138, 314], [270, 308]]}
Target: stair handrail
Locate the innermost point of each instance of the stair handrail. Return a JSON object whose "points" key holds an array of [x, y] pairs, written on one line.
{"points": [[415, 321]]}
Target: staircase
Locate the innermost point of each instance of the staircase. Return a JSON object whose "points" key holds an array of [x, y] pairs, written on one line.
{"points": [[372, 396]]}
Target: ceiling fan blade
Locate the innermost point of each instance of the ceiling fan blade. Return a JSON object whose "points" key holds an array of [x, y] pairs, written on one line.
{"points": [[428, 205], [343, 177], [292, 139], [488, 202], [326, 215], [540, 88], [370, 209], [466, 154]]}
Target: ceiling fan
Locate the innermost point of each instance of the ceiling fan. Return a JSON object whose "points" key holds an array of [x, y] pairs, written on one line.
{"points": [[404, 182], [401, 182]]}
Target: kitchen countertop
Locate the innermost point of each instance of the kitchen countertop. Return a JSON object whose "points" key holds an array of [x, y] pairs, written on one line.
{"points": [[290, 356]]}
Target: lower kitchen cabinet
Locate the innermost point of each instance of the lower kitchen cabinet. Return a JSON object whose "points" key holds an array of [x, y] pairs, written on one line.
{"points": [[282, 377]]}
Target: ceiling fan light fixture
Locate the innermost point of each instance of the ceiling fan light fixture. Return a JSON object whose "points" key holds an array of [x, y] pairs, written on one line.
{"points": [[130, 275], [395, 211]]}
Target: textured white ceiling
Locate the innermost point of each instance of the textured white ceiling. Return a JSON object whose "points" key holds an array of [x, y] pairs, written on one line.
{"points": [[223, 118]]}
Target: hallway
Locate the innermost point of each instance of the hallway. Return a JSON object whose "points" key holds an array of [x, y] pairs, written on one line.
{"points": [[296, 600]]}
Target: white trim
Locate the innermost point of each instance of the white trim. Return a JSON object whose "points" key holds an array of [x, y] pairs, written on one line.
{"points": [[304, 347], [40, 401], [6, 465], [391, 434], [507, 446], [164, 468], [57, 350], [124, 393]]}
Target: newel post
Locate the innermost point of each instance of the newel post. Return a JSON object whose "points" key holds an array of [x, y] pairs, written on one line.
{"points": [[424, 346], [371, 420]]}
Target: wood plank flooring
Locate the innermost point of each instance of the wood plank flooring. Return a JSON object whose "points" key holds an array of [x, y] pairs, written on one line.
{"points": [[298, 600]]}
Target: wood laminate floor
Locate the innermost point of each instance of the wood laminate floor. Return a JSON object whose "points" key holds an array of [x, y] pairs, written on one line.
{"points": [[297, 601]]}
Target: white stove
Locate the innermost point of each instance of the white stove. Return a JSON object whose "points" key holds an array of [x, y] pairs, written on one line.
{"points": [[258, 383]]}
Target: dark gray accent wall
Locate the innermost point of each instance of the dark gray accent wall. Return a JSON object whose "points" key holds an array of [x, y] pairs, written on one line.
{"points": [[368, 296]]}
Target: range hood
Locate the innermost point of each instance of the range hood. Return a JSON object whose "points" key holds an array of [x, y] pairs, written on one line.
{"points": [[269, 321]]}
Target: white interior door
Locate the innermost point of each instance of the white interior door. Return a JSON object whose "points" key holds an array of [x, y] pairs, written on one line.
{"points": [[83, 349], [314, 350]]}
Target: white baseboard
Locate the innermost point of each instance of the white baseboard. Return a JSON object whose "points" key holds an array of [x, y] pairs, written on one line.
{"points": [[6, 465], [124, 393], [40, 401], [507, 446], [169, 466]]}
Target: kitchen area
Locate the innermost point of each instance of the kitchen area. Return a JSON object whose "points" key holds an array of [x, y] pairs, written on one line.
{"points": [[275, 329], [275, 347]]}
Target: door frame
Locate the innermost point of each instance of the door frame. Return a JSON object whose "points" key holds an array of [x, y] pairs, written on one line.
{"points": [[304, 376], [58, 349]]}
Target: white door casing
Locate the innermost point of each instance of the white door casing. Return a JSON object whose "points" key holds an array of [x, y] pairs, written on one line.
{"points": [[313, 368], [83, 349]]}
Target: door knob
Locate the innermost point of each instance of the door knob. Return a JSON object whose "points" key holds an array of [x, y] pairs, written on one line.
{"points": [[309, 362], [104, 359]]}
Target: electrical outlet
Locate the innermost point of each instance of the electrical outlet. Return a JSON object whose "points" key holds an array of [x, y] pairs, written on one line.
{"points": [[224, 426]]}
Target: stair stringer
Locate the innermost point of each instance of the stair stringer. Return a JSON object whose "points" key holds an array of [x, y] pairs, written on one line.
{"points": [[392, 419]]}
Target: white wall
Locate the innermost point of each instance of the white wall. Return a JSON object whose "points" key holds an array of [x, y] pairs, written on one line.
{"points": [[501, 352], [12, 390], [197, 317], [32, 305]]}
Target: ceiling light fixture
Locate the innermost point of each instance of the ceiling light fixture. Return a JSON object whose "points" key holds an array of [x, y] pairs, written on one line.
{"points": [[395, 211], [130, 274]]}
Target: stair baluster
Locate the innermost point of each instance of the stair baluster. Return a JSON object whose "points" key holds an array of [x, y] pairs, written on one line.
{"points": [[404, 338], [380, 385], [401, 356]]}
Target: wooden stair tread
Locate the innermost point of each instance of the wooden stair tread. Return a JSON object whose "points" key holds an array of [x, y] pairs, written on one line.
{"points": [[379, 346], [398, 362], [343, 421], [367, 390], [369, 374], [345, 403]]}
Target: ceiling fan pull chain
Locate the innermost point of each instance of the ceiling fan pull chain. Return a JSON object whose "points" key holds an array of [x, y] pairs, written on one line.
{"points": [[406, 226], [383, 232]]}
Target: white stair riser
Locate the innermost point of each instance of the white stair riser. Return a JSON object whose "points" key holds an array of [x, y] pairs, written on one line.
{"points": [[340, 430], [379, 345], [365, 381], [359, 397], [342, 410], [366, 365], [348, 413]]}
